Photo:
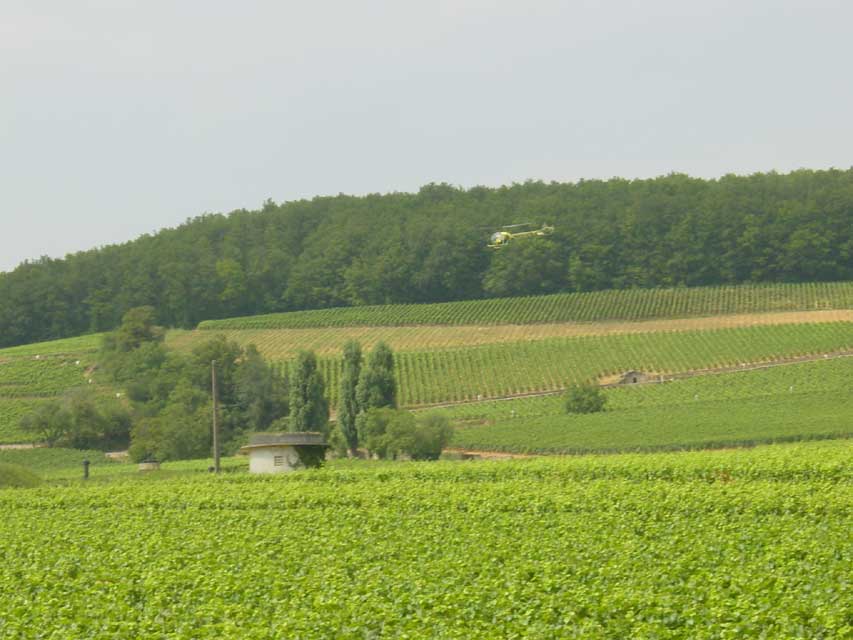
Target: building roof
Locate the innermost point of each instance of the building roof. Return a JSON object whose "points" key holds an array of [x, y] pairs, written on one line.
{"points": [[272, 440]]}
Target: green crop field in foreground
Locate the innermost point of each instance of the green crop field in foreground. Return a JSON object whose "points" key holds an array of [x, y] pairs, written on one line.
{"points": [[734, 544], [628, 304]]}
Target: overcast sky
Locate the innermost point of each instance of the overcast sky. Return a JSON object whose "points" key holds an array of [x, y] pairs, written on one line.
{"points": [[118, 118]]}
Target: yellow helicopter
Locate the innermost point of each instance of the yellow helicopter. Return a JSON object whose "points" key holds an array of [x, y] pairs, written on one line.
{"points": [[501, 238]]}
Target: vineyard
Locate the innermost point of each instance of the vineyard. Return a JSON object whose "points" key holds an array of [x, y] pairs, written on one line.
{"points": [[701, 425], [464, 363], [426, 377], [827, 377], [597, 306], [68, 346], [283, 344], [802, 401], [731, 544], [27, 381], [43, 377], [11, 412]]}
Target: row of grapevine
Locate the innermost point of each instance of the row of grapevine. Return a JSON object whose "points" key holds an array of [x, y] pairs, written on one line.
{"points": [[11, 412], [42, 377], [630, 304], [730, 544], [426, 377], [820, 377], [699, 424], [79, 345]]}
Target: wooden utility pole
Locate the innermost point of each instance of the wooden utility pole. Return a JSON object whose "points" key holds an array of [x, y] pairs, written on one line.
{"points": [[215, 416]]}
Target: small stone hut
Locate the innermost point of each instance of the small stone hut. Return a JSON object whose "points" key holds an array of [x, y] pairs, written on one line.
{"points": [[634, 377], [283, 452]]}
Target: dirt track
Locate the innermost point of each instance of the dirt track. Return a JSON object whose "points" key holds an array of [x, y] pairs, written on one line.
{"points": [[10, 447]]}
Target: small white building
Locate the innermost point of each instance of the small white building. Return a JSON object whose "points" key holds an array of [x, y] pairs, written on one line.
{"points": [[283, 452]]}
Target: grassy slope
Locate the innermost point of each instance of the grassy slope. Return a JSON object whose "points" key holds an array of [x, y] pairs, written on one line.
{"points": [[432, 376], [58, 462], [809, 400], [491, 371], [67, 464]]}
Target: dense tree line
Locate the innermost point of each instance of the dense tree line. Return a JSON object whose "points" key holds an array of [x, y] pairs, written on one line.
{"points": [[431, 246]]}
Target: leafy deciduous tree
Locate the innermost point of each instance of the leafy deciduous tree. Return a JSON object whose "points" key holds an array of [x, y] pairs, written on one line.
{"points": [[585, 398]]}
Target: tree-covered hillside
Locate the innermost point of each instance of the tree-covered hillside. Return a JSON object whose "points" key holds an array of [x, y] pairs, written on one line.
{"points": [[431, 246]]}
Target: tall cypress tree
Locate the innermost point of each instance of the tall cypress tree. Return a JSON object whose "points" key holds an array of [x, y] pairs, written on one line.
{"points": [[309, 409], [348, 405], [376, 385]]}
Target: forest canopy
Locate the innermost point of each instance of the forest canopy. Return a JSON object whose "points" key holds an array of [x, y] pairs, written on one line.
{"points": [[432, 246]]}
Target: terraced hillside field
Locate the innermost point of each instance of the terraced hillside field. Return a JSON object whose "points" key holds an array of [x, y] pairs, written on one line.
{"points": [[78, 346], [36, 373], [723, 545], [629, 304], [462, 351], [29, 380], [283, 344], [809, 400], [462, 362], [428, 377]]}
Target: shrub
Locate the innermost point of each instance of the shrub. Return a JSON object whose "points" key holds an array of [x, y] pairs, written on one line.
{"points": [[432, 433], [586, 397]]}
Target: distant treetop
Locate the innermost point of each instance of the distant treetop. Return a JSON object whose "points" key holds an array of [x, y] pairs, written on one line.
{"points": [[431, 246]]}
